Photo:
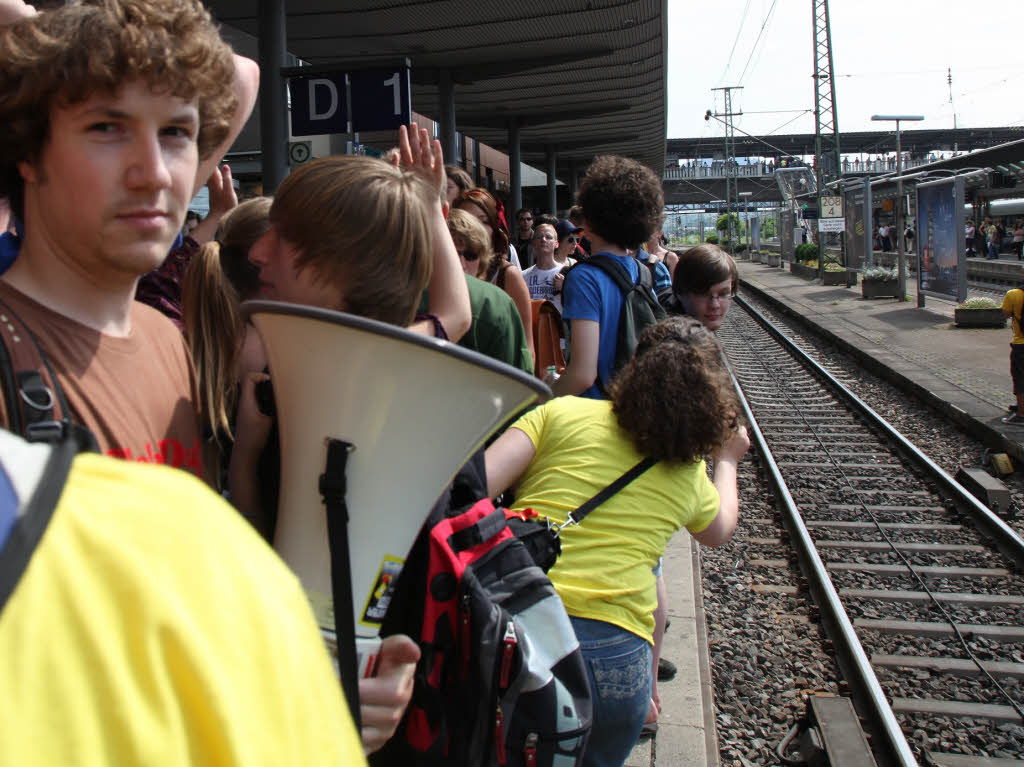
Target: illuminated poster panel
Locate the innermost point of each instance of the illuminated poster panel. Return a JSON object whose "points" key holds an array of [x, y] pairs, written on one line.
{"points": [[786, 235], [857, 211], [941, 268]]}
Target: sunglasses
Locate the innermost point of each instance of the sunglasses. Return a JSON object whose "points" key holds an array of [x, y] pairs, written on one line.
{"points": [[572, 238], [468, 256]]}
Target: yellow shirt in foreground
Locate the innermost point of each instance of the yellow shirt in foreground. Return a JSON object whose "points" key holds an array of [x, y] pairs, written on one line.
{"points": [[1013, 302], [153, 627], [604, 572]]}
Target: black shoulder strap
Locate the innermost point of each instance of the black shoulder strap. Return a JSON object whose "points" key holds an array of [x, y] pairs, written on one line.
{"points": [[28, 530], [613, 269], [577, 516], [333, 486], [40, 395]]}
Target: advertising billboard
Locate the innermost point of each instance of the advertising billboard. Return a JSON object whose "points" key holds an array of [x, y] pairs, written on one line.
{"points": [[857, 211], [941, 268]]}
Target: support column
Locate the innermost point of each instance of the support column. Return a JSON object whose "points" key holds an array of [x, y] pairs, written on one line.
{"points": [[515, 170], [574, 180], [477, 172], [446, 94], [273, 105], [552, 170]]}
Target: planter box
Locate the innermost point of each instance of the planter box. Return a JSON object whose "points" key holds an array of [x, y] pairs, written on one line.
{"points": [[979, 318], [880, 288], [773, 260], [757, 258], [837, 278], [801, 270]]}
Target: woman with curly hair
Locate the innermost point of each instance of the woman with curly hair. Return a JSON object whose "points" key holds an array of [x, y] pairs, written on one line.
{"points": [[502, 272], [672, 403]]}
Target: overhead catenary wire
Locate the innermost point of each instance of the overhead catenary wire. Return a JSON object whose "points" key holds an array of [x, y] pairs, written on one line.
{"points": [[764, 25], [739, 31]]}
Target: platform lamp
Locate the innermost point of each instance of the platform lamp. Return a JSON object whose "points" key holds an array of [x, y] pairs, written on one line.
{"points": [[746, 209], [901, 256]]}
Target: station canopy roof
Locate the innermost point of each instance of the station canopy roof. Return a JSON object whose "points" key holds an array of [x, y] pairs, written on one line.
{"points": [[586, 76]]}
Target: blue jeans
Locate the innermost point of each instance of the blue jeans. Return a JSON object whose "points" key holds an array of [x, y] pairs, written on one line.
{"points": [[619, 670], [993, 250]]}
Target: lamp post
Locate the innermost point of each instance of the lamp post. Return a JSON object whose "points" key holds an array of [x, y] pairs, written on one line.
{"points": [[746, 209], [901, 256]]}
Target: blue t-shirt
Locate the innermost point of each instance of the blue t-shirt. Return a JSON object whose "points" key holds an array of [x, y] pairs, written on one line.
{"points": [[662, 276], [590, 294]]}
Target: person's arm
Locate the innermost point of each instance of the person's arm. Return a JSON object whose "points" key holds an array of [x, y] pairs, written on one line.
{"points": [[384, 697], [507, 460], [12, 10], [515, 286], [449, 296], [581, 372], [252, 429], [222, 200], [721, 528], [246, 86]]}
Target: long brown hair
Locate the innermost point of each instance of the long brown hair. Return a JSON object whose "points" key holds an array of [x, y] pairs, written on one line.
{"points": [[219, 277]]}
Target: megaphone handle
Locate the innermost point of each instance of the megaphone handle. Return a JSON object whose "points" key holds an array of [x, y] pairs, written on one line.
{"points": [[332, 488]]}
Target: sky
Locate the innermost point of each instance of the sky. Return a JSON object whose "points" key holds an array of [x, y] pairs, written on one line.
{"points": [[889, 57]]}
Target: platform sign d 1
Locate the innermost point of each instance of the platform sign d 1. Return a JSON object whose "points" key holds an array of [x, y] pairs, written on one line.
{"points": [[381, 99], [318, 104], [941, 268]]}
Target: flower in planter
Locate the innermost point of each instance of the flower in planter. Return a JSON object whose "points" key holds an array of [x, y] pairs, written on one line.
{"points": [[979, 303], [879, 274], [833, 267]]}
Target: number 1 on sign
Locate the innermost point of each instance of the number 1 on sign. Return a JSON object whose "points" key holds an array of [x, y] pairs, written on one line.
{"points": [[396, 84]]}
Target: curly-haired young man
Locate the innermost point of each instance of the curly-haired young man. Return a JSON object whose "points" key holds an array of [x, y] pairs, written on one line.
{"points": [[113, 113], [621, 203]]}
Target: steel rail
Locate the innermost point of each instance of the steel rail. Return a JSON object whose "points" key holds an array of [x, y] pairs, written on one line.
{"points": [[1006, 540], [869, 697]]}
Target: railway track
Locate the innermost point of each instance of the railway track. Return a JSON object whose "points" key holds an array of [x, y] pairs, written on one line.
{"points": [[920, 588]]}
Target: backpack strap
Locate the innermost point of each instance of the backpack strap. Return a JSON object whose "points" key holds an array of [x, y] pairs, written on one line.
{"points": [[36, 406], [29, 526], [333, 486], [575, 517]]}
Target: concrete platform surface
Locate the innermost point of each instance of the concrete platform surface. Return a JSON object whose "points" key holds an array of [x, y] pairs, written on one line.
{"points": [[964, 373]]}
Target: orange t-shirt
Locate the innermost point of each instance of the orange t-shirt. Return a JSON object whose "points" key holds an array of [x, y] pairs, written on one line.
{"points": [[136, 394]]}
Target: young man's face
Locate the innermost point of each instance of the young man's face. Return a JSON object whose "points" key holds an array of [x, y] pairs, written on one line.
{"points": [[545, 240], [109, 193], [524, 221], [280, 280], [709, 308]]}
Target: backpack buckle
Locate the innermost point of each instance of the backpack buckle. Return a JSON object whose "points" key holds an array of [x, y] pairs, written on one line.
{"points": [[45, 431]]}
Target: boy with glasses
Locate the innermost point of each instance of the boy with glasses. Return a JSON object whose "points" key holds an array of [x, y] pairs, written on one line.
{"points": [[703, 285], [540, 277]]}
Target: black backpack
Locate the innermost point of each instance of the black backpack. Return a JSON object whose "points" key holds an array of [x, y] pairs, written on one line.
{"points": [[501, 679], [639, 308]]}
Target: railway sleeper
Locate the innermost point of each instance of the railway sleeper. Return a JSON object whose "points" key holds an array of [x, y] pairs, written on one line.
{"points": [[955, 709], [937, 629], [956, 666]]}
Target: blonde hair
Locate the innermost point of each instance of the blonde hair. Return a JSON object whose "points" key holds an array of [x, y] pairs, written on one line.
{"points": [[219, 277], [465, 229], [363, 226]]}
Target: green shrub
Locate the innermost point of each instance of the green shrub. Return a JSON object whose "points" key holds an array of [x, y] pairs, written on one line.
{"points": [[806, 252], [711, 238], [741, 247], [834, 267]]}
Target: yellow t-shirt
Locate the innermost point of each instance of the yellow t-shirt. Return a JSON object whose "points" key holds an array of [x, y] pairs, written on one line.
{"points": [[153, 627], [604, 572], [1013, 302]]}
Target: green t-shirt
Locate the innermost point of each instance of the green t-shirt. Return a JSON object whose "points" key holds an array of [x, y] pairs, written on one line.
{"points": [[604, 571], [497, 329]]}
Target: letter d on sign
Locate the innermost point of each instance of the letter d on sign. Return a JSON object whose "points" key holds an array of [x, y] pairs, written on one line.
{"points": [[332, 89], [318, 104]]}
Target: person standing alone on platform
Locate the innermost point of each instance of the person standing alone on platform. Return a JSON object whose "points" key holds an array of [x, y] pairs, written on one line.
{"points": [[1018, 238], [1013, 303]]}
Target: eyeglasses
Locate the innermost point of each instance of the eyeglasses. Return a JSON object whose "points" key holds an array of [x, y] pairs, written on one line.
{"points": [[525, 218], [572, 238], [723, 298], [467, 256]]}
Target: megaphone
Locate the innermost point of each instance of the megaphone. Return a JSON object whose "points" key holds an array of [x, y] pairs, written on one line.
{"points": [[412, 409]]}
